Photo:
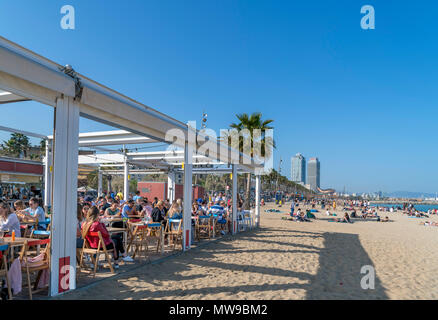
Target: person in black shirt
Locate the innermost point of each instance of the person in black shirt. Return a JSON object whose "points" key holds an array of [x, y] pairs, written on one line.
{"points": [[158, 214], [138, 206], [104, 204]]}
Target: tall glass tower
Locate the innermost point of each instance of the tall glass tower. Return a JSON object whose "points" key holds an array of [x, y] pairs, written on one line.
{"points": [[298, 171], [313, 173]]}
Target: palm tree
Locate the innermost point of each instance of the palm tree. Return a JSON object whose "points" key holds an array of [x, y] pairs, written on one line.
{"points": [[17, 145], [251, 123]]}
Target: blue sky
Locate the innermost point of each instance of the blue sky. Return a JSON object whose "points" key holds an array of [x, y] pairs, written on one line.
{"points": [[362, 101]]}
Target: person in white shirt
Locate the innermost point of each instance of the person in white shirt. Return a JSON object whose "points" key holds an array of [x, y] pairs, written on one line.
{"points": [[11, 222]]}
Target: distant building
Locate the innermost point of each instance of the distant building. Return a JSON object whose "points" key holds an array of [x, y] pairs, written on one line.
{"points": [[313, 173], [298, 170]]}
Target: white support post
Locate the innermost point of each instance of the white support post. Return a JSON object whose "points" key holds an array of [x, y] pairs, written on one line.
{"points": [[171, 186], [65, 175], [99, 183], [234, 199], [257, 201], [126, 181], [187, 211], [48, 175]]}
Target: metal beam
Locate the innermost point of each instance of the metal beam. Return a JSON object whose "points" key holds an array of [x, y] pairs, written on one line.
{"points": [[111, 138], [7, 97], [26, 133]]}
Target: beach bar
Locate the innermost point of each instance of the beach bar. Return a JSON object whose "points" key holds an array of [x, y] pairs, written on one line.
{"points": [[25, 76]]}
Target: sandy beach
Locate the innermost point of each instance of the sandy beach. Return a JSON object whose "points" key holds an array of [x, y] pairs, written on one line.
{"points": [[292, 260]]}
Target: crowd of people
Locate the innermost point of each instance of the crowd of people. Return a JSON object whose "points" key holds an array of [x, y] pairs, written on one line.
{"points": [[359, 209], [92, 212]]}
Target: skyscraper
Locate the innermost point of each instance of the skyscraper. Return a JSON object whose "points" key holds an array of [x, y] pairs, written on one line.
{"points": [[298, 171], [313, 173]]}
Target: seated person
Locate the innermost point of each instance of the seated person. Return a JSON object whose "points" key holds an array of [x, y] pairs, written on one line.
{"points": [[158, 214], [36, 212], [128, 209], [114, 242], [221, 215], [346, 218], [196, 210], [310, 215], [139, 205], [219, 211], [80, 218], [175, 211], [103, 204], [147, 210], [22, 215], [10, 220], [113, 210], [301, 217]]}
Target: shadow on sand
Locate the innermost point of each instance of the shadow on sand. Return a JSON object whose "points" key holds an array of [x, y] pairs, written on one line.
{"points": [[338, 277], [341, 279]]}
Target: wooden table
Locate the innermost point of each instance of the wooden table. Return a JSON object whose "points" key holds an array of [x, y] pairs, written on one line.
{"points": [[19, 242], [161, 232]]}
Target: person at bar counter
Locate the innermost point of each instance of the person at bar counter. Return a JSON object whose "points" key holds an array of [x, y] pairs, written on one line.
{"points": [[114, 242], [10, 219]]}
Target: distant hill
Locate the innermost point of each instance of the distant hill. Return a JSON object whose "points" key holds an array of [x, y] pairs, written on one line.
{"points": [[409, 194]]}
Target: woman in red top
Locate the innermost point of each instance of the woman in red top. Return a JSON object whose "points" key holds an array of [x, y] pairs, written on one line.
{"points": [[92, 224]]}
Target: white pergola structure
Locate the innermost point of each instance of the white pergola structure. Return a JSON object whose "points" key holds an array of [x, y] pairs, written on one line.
{"points": [[170, 162], [24, 76]]}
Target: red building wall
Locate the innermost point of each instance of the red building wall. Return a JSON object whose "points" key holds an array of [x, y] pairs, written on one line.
{"points": [[151, 190], [179, 191], [19, 167], [198, 192], [159, 190]]}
